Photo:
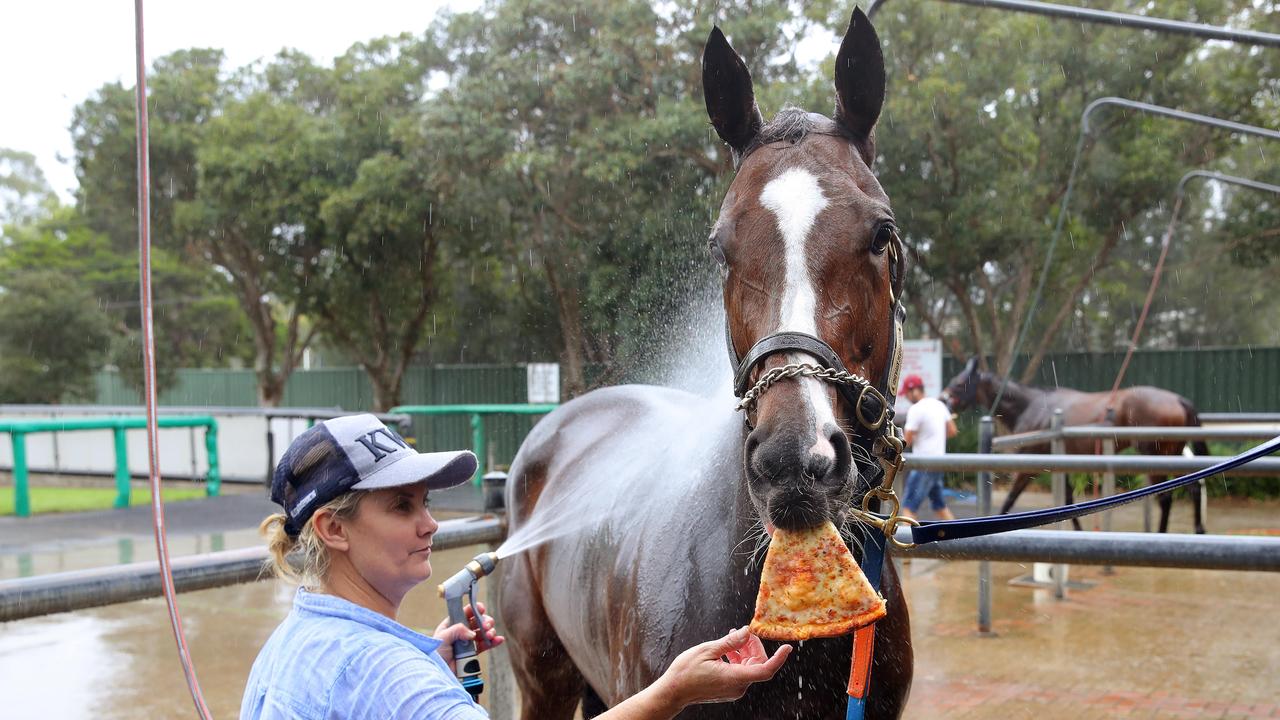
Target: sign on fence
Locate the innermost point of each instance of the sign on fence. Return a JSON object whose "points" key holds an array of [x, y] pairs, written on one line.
{"points": [[544, 382], [923, 358]]}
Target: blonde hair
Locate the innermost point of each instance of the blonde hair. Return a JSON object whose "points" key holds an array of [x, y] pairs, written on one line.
{"points": [[310, 557]]}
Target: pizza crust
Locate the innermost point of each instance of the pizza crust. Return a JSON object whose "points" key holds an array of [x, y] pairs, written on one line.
{"points": [[811, 587]]}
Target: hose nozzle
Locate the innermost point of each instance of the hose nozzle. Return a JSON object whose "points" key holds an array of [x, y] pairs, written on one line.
{"points": [[458, 592]]}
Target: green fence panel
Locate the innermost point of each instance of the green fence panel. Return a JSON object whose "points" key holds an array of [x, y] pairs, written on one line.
{"points": [[1215, 379]]}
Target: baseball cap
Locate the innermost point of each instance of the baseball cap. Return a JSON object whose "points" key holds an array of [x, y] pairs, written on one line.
{"points": [[356, 452], [910, 382]]}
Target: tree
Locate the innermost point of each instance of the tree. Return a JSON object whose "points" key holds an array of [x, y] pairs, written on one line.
{"points": [[24, 193], [195, 317], [584, 131], [52, 339], [233, 168], [977, 138]]}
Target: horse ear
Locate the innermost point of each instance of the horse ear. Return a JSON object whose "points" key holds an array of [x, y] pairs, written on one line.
{"points": [[971, 365], [726, 87], [860, 82]]}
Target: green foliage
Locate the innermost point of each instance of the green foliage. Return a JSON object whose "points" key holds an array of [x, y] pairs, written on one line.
{"points": [[196, 320], [24, 193], [52, 339], [978, 135]]}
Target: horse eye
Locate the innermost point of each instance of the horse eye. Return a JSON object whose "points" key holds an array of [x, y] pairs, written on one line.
{"points": [[717, 252], [884, 236]]}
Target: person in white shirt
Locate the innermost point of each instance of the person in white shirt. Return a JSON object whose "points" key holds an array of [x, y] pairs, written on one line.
{"points": [[929, 424]]}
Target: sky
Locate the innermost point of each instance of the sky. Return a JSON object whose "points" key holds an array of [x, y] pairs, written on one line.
{"points": [[56, 53]]}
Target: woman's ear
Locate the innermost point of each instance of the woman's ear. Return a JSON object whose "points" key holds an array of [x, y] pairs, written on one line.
{"points": [[331, 530]]}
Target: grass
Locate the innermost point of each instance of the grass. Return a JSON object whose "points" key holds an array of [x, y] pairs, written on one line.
{"points": [[73, 499]]}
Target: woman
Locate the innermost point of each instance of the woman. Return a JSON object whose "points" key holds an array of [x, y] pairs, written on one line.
{"points": [[354, 495]]}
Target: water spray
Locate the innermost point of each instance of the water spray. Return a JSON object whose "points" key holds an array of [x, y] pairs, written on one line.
{"points": [[458, 592]]}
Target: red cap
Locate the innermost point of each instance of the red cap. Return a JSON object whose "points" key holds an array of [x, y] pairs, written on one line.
{"points": [[911, 382]]}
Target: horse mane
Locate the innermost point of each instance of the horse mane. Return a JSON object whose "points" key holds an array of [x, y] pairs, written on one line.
{"points": [[792, 125]]}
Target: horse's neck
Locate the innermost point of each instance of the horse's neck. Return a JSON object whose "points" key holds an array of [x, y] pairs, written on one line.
{"points": [[1014, 401]]}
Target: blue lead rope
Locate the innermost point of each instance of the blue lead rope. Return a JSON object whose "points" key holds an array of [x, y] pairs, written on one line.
{"points": [[931, 531]]}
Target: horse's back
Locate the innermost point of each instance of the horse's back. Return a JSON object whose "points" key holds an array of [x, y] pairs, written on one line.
{"points": [[593, 435], [615, 481]]}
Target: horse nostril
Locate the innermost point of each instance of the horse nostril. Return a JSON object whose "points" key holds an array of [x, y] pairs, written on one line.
{"points": [[820, 466]]}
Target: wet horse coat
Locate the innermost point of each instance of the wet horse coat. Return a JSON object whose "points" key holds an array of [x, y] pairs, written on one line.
{"points": [[678, 489]]}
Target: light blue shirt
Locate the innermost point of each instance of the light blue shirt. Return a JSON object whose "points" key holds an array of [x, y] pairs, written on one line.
{"points": [[332, 659]]}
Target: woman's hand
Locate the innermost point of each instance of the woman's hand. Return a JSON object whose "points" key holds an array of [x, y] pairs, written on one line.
{"points": [[701, 675], [449, 634]]}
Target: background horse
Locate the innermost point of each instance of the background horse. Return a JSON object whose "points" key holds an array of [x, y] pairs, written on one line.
{"points": [[1024, 408], [676, 489]]}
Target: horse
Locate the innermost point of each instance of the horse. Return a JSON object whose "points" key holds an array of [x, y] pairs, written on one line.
{"points": [[1025, 408], [676, 494]]}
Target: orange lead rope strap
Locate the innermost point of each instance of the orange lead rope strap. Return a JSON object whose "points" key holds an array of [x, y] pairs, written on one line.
{"points": [[864, 641]]}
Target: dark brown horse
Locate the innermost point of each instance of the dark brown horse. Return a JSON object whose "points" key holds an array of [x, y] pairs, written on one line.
{"points": [[672, 488], [1024, 408]]}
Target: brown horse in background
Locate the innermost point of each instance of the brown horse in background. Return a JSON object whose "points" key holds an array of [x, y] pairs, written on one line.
{"points": [[675, 489], [1025, 408]]}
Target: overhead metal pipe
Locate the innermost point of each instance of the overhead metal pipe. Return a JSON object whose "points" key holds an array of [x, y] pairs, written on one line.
{"points": [[1116, 19]]}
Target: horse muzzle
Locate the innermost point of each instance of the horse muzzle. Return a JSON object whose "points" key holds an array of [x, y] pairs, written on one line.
{"points": [[796, 481]]}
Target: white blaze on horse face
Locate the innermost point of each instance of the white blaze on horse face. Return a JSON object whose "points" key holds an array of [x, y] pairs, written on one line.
{"points": [[796, 199]]}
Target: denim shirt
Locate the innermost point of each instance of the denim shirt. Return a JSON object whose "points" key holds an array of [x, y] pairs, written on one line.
{"points": [[332, 659]]}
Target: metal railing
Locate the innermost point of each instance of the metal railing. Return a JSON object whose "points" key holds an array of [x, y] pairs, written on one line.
{"points": [[19, 430], [477, 413], [1112, 432], [309, 415], [80, 589]]}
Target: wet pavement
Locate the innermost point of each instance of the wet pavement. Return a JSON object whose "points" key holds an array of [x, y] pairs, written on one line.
{"points": [[1140, 643]]}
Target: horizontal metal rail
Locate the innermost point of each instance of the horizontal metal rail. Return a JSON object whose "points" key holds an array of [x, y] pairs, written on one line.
{"points": [[1122, 464], [80, 589], [1164, 550], [1241, 417], [305, 413], [1111, 432]]}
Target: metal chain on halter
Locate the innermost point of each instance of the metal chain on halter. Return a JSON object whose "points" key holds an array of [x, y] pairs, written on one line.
{"points": [[887, 449], [792, 370]]}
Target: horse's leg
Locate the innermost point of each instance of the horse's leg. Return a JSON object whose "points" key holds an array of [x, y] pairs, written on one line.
{"points": [[1019, 484], [1166, 501], [1194, 491], [550, 684], [1071, 500]]}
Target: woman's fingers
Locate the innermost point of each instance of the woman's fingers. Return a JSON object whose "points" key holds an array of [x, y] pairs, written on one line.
{"points": [[758, 671]]}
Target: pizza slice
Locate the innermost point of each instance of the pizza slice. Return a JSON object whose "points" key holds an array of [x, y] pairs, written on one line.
{"points": [[811, 587]]}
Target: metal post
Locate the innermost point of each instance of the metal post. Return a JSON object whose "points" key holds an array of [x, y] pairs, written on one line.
{"points": [[271, 454], [1108, 489], [501, 687], [477, 445], [1058, 446], [986, 429], [21, 489], [57, 455], [191, 442], [213, 480], [122, 469]]}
